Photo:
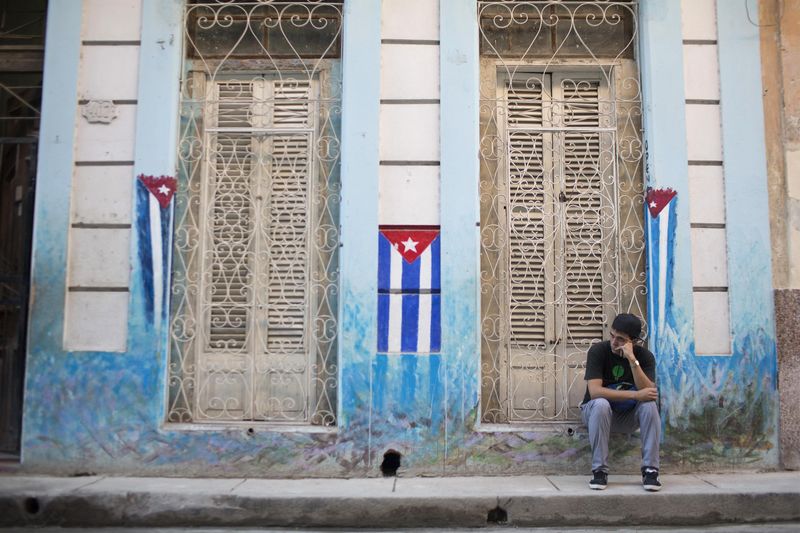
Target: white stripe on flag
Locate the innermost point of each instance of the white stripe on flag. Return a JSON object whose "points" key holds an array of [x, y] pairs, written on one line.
{"points": [[663, 234], [425, 270], [395, 319], [424, 324], [396, 270], [157, 252]]}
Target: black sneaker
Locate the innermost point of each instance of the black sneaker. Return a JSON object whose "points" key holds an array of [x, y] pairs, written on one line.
{"points": [[599, 481], [650, 479]]}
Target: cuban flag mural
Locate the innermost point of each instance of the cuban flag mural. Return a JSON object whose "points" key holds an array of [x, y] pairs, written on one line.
{"points": [[153, 224], [409, 290], [661, 223]]}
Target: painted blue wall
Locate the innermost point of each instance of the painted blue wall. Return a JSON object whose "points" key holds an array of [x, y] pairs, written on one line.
{"points": [[104, 412], [744, 154], [359, 272], [51, 214], [666, 157], [460, 216], [716, 409]]}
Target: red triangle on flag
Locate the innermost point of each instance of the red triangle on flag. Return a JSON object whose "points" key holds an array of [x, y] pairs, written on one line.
{"points": [[657, 199], [410, 242], [162, 187]]}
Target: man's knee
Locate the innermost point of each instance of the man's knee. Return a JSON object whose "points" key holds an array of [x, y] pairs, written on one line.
{"points": [[648, 411], [600, 407]]}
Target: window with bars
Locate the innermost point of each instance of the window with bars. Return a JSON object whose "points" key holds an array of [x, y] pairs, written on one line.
{"points": [[255, 265], [561, 198]]}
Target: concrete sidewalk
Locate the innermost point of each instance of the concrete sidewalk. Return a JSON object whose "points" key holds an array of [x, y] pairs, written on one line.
{"points": [[397, 502]]}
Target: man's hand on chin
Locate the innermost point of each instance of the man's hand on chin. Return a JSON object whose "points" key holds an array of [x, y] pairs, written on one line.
{"points": [[627, 351]]}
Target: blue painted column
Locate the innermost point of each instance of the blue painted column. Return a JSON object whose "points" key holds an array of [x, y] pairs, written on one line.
{"points": [[728, 400], [460, 215], [753, 368], [663, 102], [159, 86], [671, 333], [51, 211], [359, 212], [54, 175], [744, 154], [155, 154]]}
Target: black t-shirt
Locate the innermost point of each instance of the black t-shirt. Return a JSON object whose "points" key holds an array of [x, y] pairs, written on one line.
{"points": [[601, 362]]}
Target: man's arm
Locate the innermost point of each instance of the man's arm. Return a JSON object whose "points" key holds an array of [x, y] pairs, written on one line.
{"points": [[639, 377], [596, 390]]}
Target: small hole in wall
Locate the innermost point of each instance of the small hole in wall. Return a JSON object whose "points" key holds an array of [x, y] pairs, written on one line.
{"points": [[570, 432], [498, 515], [31, 505], [251, 432], [390, 464]]}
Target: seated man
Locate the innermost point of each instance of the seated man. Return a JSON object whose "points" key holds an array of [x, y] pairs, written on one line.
{"points": [[621, 396]]}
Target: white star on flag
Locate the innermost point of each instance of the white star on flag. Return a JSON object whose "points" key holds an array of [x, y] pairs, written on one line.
{"points": [[410, 245], [653, 205], [163, 190]]}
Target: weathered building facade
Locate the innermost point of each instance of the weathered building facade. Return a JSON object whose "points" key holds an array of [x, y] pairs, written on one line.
{"points": [[299, 238], [779, 45]]}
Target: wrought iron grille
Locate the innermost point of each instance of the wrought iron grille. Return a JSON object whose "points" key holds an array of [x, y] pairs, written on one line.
{"points": [[561, 194], [255, 262]]}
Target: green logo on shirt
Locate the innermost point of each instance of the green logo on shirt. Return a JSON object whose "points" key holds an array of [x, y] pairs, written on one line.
{"points": [[617, 371]]}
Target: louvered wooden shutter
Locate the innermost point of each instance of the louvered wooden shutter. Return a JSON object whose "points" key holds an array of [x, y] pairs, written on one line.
{"points": [[224, 366], [589, 276], [530, 246], [529, 215], [288, 224], [230, 221], [255, 365], [557, 238], [582, 210], [283, 352]]}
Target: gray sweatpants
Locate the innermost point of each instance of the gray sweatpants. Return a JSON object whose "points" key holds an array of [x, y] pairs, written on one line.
{"points": [[602, 421]]}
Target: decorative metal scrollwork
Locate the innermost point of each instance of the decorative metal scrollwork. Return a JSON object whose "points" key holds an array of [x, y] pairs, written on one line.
{"points": [[255, 275], [561, 193]]}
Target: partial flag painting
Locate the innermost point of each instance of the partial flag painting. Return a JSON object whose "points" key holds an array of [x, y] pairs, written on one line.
{"points": [[153, 227], [660, 225], [409, 296]]}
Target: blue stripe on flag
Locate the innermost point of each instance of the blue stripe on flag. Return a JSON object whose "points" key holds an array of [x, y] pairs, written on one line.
{"points": [[668, 261], [166, 255], [408, 339], [435, 264], [652, 224], [436, 331], [145, 247], [411, 275], [384, 262], [383, 322]]}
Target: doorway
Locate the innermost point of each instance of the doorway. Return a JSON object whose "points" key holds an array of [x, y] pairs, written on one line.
{"points": [[22, 24]]}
